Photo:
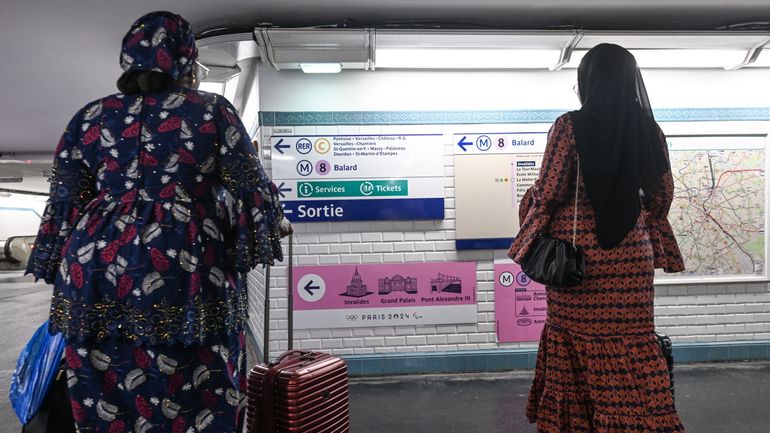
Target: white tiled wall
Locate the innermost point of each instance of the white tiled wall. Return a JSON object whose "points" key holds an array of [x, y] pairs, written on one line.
{"points": [[689, 313], [714, 312]]}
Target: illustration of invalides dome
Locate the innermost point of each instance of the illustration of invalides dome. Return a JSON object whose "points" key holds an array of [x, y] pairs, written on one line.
{"points": [[398, 284], [357, 288]]}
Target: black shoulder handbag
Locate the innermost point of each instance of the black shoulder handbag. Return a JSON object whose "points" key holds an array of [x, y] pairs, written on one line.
{"points": [[55, 414], [554, 262]]}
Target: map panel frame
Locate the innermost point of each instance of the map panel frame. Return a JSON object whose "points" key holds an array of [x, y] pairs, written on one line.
{"points": [[717, 145]]}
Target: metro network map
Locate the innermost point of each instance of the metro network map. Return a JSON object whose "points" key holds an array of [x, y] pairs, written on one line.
{"points": [[718, 211]]}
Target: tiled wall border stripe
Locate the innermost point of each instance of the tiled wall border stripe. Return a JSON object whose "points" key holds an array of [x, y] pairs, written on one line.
{"points": [[318, 118], [512, 359]]}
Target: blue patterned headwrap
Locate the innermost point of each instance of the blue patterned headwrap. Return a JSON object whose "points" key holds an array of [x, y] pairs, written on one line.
{"points": [[159, 41]]}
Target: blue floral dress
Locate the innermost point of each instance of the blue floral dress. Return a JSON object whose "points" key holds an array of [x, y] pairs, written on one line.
{"points": [[146, 265]]}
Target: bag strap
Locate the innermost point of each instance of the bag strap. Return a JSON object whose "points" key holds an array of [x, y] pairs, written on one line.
{"points": [[575, 218]]}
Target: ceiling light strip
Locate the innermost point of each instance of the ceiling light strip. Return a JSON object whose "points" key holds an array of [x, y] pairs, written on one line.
{"points": [[371, 54], [566, 53], [751, 56], [262, 38]]}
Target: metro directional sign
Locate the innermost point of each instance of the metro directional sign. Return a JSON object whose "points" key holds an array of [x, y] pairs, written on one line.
{"points": [[499, 142], [319, 210], [360, 177]]}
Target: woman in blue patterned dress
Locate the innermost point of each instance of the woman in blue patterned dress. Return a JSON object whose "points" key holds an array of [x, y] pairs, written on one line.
{"points": [[145, 266]]}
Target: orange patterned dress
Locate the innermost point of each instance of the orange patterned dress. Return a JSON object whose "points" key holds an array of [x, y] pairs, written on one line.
{"points": [[599, 367]]}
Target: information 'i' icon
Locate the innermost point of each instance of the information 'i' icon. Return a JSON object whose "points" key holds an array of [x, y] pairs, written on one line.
{"points": [[305, 189]]}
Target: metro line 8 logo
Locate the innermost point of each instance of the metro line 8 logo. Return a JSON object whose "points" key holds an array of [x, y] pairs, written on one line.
{"points": [[323, 167]]}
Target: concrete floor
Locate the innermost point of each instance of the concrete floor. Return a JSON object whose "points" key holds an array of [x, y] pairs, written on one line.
{"points": [[712, 398]]}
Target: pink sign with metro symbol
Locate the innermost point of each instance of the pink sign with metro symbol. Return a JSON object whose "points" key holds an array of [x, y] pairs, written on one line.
{"points": [[520, 305]]}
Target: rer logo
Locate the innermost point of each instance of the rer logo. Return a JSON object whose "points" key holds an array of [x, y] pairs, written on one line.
{"points": [[367, 188], [483, 143], [304, 146], [305, 168]]}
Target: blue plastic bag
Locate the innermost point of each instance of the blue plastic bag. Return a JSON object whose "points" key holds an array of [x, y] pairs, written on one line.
{"points": [[35, 370]]}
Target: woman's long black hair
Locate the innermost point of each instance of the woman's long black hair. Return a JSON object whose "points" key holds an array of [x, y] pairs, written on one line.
{"points": [[617, 139]]}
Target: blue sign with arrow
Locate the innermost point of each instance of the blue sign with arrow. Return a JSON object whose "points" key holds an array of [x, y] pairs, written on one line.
{"points": [[307, 211]]}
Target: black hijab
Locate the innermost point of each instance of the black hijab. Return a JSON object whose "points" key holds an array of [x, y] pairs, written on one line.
{"points": [[621, 156]]}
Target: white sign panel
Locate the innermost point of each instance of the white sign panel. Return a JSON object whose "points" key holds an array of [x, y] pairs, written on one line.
{"points": [[357, 156], [364, 177]]}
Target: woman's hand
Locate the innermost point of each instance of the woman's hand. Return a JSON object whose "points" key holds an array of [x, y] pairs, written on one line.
{"points": [[286, 229]]}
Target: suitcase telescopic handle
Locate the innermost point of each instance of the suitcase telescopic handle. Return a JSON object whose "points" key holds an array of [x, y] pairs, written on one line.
{"points": [[266, 327], [290, 294]]}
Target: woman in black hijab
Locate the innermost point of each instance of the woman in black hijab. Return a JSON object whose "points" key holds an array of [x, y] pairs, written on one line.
{"points": [[600, 368], [617, 139]]}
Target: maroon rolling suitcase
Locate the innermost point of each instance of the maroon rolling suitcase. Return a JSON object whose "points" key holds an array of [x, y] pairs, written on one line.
{"points": [[301, 391]]}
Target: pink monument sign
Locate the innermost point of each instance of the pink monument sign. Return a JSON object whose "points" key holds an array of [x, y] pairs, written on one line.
{"points": [[387, 294], [520, 304]]}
